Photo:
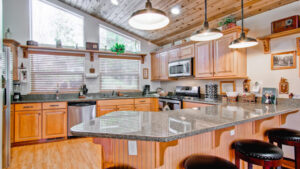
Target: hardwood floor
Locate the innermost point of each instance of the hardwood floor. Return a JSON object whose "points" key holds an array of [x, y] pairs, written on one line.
{"points": [[69, 154]]}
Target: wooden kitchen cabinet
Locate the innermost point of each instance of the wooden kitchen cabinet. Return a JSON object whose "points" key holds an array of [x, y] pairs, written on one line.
{"points": [[187, 51], [174, 55], [28, 125], [203, 65], [164, 69], [155, 66], [125, 108], [102, 110], [142, 107], [189, 105], [54, 123]]}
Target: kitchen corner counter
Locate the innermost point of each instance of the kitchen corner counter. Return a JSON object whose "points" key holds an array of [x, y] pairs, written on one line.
{"points": [[176, 124]]}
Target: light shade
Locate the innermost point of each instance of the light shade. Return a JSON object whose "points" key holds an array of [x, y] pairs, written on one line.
{"points": [[243, 42], [206, 34], [149, 18]]}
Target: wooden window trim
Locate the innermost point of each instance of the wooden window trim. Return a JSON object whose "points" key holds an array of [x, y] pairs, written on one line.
{"points": [[56, 53]]}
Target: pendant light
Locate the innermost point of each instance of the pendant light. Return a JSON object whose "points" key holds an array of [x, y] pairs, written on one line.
{"points": [[243, 41], [149, 18], [206, 33]]}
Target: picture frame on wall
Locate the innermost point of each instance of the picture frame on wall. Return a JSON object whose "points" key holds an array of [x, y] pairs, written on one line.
{"points": [[145, 73], [283, 60], [227, 86]]}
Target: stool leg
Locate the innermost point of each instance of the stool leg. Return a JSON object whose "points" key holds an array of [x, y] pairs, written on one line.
{"points": [[250, 166], [237, 160], [297, 157]]}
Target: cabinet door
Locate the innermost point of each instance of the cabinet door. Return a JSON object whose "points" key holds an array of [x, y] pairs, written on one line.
{"points": [[28, 125], [54, 123], [102, 110], [174, 55], [164, 69], [224, 57], [125, 108], [187, 51], [189, 105], [142, 107], [155, 66], [203, 60]]}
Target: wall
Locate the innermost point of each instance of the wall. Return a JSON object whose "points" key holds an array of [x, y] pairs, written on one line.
{"points": [[258, 63], [17, 18]]}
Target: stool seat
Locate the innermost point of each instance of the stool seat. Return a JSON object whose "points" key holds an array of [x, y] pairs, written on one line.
{"points": [[258, 149], [207, 162], [284, 134]]}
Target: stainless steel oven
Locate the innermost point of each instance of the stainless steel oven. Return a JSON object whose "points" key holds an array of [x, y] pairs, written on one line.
{"points": [[181, 68], [169, 104]]}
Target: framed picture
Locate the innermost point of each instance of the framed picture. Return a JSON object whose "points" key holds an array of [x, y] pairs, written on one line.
{"points": [[145, 73], [269, 96], [284, 60], [227, 86], [298, 46]]}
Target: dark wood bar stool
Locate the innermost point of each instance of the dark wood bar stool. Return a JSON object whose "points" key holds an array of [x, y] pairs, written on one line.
{"points": [[258, 153], [207, 162], [288, 137]]}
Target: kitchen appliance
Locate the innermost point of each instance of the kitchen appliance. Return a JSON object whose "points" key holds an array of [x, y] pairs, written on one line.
{"points": [[17, 90], [181, 68], [211, 91], [175, 102], [285, 24], [79, 112], [146, 90]]}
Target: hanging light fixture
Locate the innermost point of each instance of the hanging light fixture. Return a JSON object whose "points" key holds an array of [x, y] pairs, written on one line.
{"points": [[206, 33], [149, 18], [243, 41]]}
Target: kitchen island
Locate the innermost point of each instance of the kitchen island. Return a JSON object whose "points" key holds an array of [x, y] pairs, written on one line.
{"points": [[162, 140]]}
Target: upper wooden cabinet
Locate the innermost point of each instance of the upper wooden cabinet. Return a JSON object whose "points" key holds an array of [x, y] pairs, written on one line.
{"points": [[174, 54], [155, 66], [203, 65], [159, 66], [164, 60], [187, 51]]}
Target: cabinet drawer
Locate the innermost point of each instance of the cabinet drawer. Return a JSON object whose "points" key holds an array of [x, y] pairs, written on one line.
{"points": [[55, 105], [189, 105], [142, 107], [28, 106], [142, 101], [115, 102], [125, 108]]}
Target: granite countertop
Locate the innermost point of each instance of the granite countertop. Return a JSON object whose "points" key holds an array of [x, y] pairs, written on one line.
{"points": [[37, 98], [172, 125]]}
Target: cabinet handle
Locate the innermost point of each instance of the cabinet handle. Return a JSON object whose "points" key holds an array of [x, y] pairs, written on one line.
{"points": [[142, 101], [54, 105], [27, 107]]}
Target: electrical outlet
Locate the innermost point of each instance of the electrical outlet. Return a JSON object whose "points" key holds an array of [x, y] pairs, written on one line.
{"points": [[132, 148], [232, 132]]}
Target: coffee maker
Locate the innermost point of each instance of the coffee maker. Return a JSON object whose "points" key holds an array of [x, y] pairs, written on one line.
{"points": [[146, 90], [17, 90]]}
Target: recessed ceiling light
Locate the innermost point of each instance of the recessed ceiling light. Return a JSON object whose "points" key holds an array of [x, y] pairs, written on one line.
{"points": [[115, 2], [175, 10]]}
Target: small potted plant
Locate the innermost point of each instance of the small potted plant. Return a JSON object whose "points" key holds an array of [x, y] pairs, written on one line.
{"points": [[228, 22], [118, 48]]}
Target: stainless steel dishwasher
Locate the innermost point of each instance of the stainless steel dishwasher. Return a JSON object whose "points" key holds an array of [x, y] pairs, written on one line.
{"points": [[79, 112]]}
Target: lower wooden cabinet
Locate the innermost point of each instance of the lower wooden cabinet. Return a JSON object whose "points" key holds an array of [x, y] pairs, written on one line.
{"points": [[102, 110], [142, 107], [189, 105], [54, 123], [28, 125], [125, 108]]}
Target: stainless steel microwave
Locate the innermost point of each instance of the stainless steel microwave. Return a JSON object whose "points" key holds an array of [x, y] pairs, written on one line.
{"points": [[181, 68]]}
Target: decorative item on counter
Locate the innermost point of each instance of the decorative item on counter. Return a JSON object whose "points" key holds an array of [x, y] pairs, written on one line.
{"points": [[256, 88], [118, 48], [7, 34], [298, 46], [284, 60], [283, 86], [22, 71], [145, 73], [91, 46], [227, 86], [211, 91], [81, 95], [291, 95], [146, 90], [248, 97], [285, 24], [269, 96], [84, 89], [232, 96], [224, 99], [32, 43], [228, 23], [58, 43], [246, 85], [92, 70]]}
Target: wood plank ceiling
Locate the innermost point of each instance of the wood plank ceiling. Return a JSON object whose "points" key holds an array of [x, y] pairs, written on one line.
{"points": [[181, 26]]}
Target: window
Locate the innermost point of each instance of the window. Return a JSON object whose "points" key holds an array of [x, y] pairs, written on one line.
{"points": [[119, 74], [109, 38], [49, 72], [50, 23]]}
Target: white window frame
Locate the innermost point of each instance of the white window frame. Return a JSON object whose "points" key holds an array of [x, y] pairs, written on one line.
{"points": [[119, 33], [58, 7]]}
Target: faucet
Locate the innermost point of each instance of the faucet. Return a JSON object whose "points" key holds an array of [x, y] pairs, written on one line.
{"points": [[113, 93], [57, 93]]}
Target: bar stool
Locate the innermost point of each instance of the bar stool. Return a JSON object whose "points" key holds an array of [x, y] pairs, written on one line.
{"points": [[207, 162], [288, 137], [258, 153]]}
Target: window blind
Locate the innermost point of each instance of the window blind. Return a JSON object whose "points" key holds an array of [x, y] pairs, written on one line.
{"points": [[7, 52], [119, 74], [52, 72]]}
